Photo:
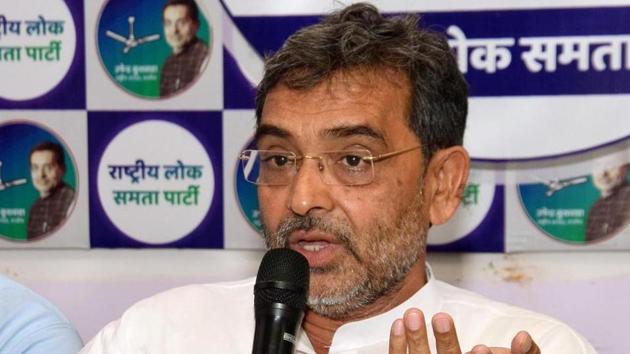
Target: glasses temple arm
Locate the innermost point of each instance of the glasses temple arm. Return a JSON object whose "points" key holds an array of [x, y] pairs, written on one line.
{"points": [[390, 154]]}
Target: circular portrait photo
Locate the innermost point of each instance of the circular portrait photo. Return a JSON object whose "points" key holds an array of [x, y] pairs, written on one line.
{"points": [[37, 182], [154, 49], [247, 194], [582, 209]]}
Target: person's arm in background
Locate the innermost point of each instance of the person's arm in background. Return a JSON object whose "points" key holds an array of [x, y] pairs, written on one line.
{"points": [[29, 324]]}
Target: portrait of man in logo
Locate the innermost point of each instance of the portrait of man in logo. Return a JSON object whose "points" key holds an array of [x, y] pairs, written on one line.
{"points": [[611, 211], [38, 181], [154, 49], [190, 54], [50, 209]]}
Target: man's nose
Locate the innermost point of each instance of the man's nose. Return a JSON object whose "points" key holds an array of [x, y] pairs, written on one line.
{"points": [[44, 173], [309, 194]]}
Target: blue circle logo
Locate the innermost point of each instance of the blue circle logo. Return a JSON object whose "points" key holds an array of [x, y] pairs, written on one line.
{"points": [[247, 195]]}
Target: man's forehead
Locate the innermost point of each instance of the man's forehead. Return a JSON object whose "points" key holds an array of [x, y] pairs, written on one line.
{"points": [[177, 10], [340, 83], [331, 131], [39, 155], [359, 105]]}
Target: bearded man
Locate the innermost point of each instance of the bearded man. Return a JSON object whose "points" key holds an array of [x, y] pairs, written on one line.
{"points": [[359, 151]]}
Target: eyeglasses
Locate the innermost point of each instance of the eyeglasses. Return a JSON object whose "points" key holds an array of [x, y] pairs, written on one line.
{"points": [[344, 167]]}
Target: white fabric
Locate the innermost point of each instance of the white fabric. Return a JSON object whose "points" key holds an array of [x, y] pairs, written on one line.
{"points": [[219, 318]]}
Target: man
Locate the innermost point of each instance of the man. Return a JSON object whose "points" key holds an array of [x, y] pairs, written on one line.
{"points": [[31, 325], [360, 124], [611, 212], [181, 22], [55, 196]]}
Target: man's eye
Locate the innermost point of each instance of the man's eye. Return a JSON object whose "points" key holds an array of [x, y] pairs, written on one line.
{"points": [[280, 160], [352, 160], [277, 160]]}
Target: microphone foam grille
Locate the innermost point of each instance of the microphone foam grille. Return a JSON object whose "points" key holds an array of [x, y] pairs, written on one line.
{"points": [[287, 266]]}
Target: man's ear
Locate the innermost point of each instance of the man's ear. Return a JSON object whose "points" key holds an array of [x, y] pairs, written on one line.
{"points": [[445, 181]]}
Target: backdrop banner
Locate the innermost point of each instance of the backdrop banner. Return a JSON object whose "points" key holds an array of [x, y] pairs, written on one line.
{"points": [[148, 126]]}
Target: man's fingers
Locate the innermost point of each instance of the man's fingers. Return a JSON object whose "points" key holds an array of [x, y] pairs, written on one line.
{"points": [[524, 344], [480, 349], [416, 332], [409, 335], [445, 336], [397, 342], [497, 350]]}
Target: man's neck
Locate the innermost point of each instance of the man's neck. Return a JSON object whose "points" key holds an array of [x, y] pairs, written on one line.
{"points": [[320, 329]]}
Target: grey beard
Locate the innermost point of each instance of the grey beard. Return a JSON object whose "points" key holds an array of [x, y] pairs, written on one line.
{"points": [[384, 277], [389, 255]]}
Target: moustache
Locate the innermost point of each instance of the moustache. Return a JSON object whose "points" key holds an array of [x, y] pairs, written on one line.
{"points": [[339, 230]]}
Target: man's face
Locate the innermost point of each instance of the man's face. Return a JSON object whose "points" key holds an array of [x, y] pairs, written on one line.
{"points": [[607, 179], [360, 241], [45, 172], [179, 27]]}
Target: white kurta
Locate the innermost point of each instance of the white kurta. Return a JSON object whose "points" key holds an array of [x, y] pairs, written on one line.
{"points": [[219, 318]]}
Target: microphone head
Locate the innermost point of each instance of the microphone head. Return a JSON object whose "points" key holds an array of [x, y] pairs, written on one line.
{"points": [[283, 277]]}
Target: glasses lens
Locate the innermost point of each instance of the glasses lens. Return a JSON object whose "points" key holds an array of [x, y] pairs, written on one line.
{"points": [[351, 168], [264, 167], [250, 165], [277, 168]]}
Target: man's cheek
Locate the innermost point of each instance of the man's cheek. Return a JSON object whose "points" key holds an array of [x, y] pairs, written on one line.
{"points": [[363, 209], [270, 210]]}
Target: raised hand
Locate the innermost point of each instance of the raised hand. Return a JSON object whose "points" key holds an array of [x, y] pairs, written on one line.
{"points": [[409, 335]]}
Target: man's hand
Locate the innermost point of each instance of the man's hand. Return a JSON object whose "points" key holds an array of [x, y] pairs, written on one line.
{"points": [[409, 335], [521, 344]]}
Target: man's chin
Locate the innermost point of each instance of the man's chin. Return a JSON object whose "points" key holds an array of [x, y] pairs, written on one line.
{"points": [[175, 46], [44, 191], [331, 292], [335, 305]]}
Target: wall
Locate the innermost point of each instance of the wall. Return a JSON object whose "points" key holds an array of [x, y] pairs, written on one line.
{"points": [[588, 291]]}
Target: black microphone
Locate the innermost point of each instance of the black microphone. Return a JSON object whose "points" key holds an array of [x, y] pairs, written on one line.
{"points": [[279, 300]]}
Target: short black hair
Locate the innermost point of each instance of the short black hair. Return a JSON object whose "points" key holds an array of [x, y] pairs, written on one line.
{"points": [[55, 148], [191, 5], [359, 37]]}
